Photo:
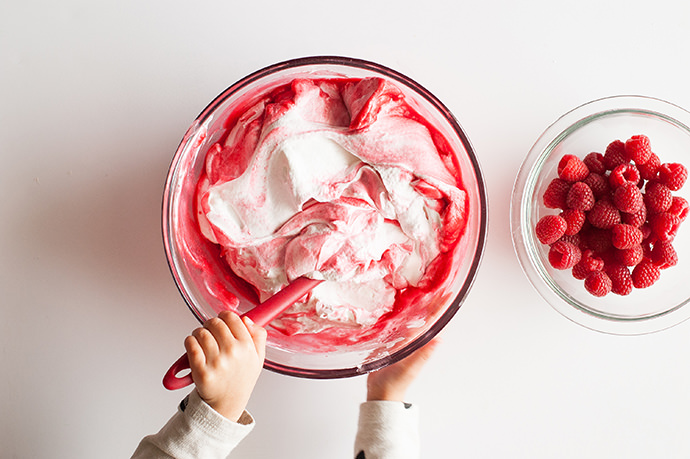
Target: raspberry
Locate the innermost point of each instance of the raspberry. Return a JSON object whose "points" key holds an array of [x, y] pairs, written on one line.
{"points": [[638, 149], [595, 163], [624, 173], [597, 183], [679, 207], [564, 255], [673, 175], [647, 247], [574, 239], [618, 216], [598, 283], [646, 231], [648, 238], [628, 198], [603, 215], [664, 226], [635, 219], [579, 197], [588, 263], [597, 239], [625, 236], [621, 280], [645, 274], [664, 255], [657, 197], [593, 262], [649, 169], [555, 194], [615, 155], [572, 169], [609, 256], [579, 272], [550, 228], [574, 219], [630, 256]]}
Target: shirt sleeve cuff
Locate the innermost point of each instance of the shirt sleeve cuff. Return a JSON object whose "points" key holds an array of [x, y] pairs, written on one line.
{"points": [[201, 412], [388, 430], [197, 430]]}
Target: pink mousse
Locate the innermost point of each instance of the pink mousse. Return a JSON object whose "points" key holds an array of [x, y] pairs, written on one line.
{"points": [[335, 179]]}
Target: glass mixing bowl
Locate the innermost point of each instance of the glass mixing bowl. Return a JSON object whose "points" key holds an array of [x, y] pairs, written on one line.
{"points": [[210, 290], [590, 128]]}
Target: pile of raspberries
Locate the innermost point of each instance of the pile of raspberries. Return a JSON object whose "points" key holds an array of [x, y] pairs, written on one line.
{"points": [[618, 216]]}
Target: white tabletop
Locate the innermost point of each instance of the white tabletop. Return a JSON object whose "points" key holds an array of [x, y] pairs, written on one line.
{"points": [[94, 99]]}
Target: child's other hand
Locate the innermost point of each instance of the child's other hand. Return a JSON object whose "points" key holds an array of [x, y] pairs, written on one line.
{"points": [[391, 383], [226, 356]]}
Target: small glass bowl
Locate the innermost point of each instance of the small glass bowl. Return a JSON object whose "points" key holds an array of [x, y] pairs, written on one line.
{"points": [[205, 290], [590, 128]]}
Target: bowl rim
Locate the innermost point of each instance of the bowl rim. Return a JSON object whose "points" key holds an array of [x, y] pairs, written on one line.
{"points": [[519, 220], [482, 217]]}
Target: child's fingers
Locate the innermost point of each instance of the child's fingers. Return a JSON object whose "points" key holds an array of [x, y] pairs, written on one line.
{"points": [[207, 342], [236, 325], [195, 354], [417, 359], [258, 334], [424, 353], [220, 331], [428, 349]]}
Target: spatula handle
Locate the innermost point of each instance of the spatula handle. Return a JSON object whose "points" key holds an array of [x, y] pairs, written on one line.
{"points": [[260, 315]]}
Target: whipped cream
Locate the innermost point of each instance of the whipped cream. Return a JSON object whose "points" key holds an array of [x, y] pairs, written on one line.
{"points": [[331, 179]]}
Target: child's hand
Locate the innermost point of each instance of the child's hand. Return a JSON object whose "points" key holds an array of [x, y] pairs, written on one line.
{"points": [[391, 383], [226, 357]]}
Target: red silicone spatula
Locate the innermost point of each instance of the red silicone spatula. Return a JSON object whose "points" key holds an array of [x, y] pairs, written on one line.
{"points": [[260, 315]]}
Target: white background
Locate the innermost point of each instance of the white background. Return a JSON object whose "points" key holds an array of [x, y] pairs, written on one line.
{"points": [[94, 99]]}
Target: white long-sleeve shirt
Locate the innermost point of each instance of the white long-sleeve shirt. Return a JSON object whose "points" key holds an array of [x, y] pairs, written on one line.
{"points": [[386, 430]]}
